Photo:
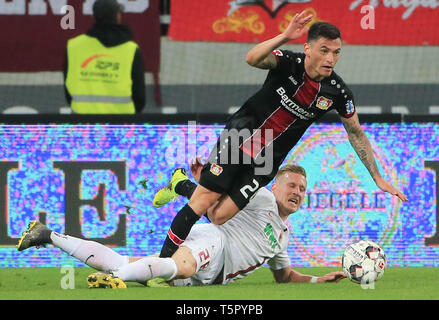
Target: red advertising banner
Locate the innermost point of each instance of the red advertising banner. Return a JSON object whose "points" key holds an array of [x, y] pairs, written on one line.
{"points": [[373, 22], [34, 33]]}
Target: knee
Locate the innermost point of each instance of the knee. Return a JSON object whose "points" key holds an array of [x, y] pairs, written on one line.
{"points": [[201, 204], [186, 264], [218, 221], [223, 211], [217, 216], [185, 270]]}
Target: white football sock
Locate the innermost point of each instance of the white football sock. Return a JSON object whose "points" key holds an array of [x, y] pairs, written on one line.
{"points": [[92, 253], [147, 268]]}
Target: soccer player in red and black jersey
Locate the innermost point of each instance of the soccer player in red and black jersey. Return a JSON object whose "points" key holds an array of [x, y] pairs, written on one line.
{"points": [[299, 88]]}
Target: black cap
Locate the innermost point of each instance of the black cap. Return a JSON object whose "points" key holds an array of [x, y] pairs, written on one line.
{"points": [[106, 10]]}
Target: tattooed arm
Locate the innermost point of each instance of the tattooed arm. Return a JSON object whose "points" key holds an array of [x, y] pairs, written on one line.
{"points": [[362, 147], [361, 144]]}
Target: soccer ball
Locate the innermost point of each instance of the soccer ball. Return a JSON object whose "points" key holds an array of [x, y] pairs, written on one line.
{"points": [[364, 262]]}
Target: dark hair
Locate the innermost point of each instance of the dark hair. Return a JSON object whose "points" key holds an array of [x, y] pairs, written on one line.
{"points": [[106, 10], [323, 29]]}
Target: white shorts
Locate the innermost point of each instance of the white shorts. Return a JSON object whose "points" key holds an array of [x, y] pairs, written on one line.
{"points": [[207, 245]]}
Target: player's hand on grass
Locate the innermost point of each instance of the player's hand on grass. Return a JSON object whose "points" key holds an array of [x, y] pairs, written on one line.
{"points": [[297, 26], [385, 186], [335, 276]]}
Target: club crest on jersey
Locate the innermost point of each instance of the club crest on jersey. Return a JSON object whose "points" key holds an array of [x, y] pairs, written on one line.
{"points": [[277, 53], [216, 169], [323, 103]]}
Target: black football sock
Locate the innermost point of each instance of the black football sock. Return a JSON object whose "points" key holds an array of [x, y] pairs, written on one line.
{"points": [[45, 235], [180, 228], [185, 188]]}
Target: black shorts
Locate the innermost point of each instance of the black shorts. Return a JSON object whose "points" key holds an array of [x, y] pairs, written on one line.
{"points": [[238, 181], [229, 170]]}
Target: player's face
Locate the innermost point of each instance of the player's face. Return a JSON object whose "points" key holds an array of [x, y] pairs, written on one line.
{"points": [[321, 57], [289, 191]]}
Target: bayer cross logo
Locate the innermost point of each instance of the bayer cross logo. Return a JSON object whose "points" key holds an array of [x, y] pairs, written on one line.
{"points": [[271, 6]]}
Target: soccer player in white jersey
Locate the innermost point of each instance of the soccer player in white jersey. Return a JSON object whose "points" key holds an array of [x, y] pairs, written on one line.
{"points": [[212, 254]]}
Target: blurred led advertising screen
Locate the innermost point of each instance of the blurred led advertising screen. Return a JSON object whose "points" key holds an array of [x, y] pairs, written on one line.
{"points": [[97, 181]]}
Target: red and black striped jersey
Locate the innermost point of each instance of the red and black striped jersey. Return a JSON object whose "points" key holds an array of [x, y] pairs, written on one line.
{"points": [[288, 103]]}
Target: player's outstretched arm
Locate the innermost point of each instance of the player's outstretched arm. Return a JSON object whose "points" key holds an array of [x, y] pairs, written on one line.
{"points": [[362, 147], [288, 274], [261, 57]]}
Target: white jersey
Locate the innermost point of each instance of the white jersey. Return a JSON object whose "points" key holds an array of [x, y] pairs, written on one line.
{"points": [[254, 236]]}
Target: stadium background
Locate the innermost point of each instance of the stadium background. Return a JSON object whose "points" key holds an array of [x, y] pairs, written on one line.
{"points": [[193, 84]]}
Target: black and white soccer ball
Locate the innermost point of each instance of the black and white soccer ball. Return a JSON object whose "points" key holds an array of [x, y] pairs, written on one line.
{"points": [[364, 262]]}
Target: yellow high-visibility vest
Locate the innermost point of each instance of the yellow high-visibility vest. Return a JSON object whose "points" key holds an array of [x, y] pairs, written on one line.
{"points": [[99, 77]]}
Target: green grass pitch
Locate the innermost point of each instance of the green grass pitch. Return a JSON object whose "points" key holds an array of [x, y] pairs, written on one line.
{"points": [[396, 284]]}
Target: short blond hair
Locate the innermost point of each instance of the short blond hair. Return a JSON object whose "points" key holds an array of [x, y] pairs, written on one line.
{"points": [[291, 168]]}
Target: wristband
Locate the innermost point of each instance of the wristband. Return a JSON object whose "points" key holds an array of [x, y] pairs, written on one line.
{"points": [[313, 279]]}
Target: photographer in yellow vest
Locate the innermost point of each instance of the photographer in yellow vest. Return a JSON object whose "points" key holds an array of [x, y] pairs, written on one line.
{"points": [[104, 70]]}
